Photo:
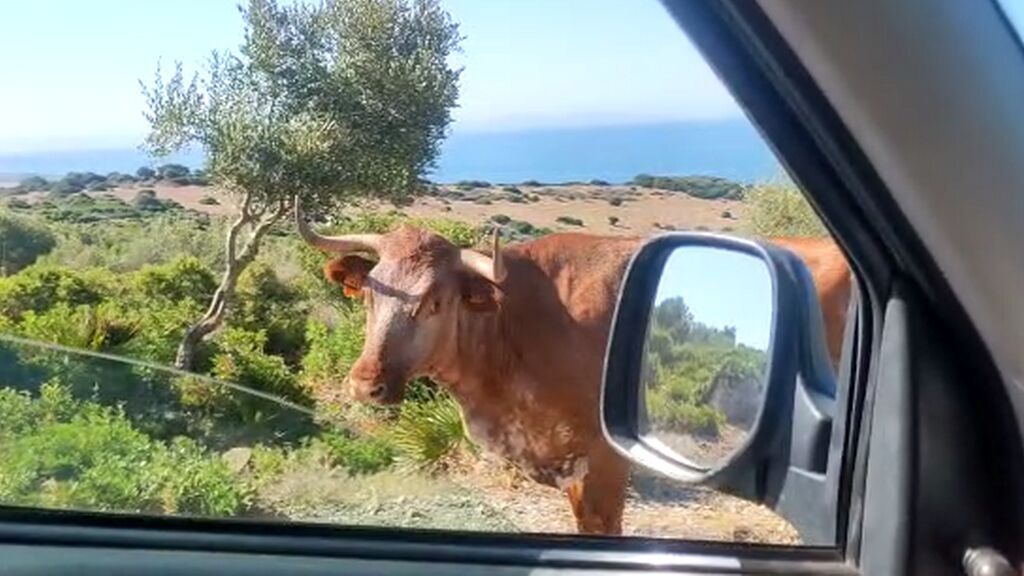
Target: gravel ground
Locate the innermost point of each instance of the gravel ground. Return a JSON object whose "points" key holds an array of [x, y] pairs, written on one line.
{"points": [[485, 496]]}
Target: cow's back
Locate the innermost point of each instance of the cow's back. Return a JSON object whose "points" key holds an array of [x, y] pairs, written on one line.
{"points": [[585, 272]]}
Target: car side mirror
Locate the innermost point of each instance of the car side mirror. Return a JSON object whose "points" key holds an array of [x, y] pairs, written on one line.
{"points": [[714, 371]]}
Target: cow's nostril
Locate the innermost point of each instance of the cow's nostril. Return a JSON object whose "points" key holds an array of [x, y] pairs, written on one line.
{"points": [[377, 391]]}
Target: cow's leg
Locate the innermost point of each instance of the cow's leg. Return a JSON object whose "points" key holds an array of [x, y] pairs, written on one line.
{"points": [[599, 497]]}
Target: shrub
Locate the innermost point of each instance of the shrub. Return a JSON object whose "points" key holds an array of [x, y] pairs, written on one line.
{"points": [[185, 278], [429, 431], [501, 219], [512, 190], [727, 214], [64, 188], [472, 184], [569, 221], [33, 184], [241, 359], [615, 201], [706, 187], [145, 199], [264, 302], [359, 454], [172, 171], [333, 349], [613, 220], [39, 288], [145, 173], [59, 452], [597, 182], [22, 242], [209, 201], [781, 210], [533, 183]]}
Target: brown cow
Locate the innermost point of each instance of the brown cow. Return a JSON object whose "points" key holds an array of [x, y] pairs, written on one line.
{"points": [[518, 340]]}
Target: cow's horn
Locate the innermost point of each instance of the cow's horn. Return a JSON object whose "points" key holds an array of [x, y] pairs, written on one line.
{"points": [[493, 269], [342, 244]]}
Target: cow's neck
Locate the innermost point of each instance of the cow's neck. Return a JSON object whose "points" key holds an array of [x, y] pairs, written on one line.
{"points": [[477, 357]]}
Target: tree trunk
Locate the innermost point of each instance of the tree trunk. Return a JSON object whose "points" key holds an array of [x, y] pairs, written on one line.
{"points": [[235, 263]]}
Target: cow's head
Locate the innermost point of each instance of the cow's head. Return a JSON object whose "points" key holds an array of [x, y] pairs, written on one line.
{"points": [[415, 292]]}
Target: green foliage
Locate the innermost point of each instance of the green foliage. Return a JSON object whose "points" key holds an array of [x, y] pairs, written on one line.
{"points": [[472, 184], [96, 328], [359, 454], [298, 107], [39, 288], [209, 201], [145, 173], [33, 184], [615, 201], [598, 182], [706, 187], [778, 210], [429, 431], [333, 349], [22, 242], [569, 221], [613, 220], [685, 360], [126, 245], [59, 452], [501, 219], [81, 208], [241, 359], [185, 278], [264, 302], [172, 172]]}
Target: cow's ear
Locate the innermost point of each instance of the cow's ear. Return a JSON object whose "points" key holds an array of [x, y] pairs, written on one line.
{"points": [[479, 295], [349, 272]]}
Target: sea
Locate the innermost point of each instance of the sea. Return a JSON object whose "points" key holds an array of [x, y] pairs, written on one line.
{"points": [[727, 148]]}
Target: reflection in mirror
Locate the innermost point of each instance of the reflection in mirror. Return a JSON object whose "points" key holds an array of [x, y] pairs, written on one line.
{"points": [[706, 353]]}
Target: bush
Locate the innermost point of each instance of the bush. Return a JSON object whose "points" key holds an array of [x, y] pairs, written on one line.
{"points": [[706, 187], [65, 188], [59, 452], [333, 349], [145, 173], [429, 431], [472, 184], [569, 221], [146, 199], [533, 183], [781, 210], [209, 201], [39, 288], [596, 182], [23, 242], [183, 279], [173, 172], [33, 184], [615, 201], [264, 302], [613, 220], [359, 454], [241, 359], [501, 219]]}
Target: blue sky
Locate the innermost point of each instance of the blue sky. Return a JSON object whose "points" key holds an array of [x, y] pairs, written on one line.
{"points": [[71, 67], [722, 288]]}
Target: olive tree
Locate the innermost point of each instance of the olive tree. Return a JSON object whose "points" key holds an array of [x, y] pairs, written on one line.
{"points": [[325, 103]]}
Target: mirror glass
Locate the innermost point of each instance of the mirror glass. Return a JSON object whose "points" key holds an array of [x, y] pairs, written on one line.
{"points": [[706, 354]]}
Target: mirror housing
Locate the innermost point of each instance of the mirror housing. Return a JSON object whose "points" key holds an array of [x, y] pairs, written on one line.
{"points": [[785, 457]]}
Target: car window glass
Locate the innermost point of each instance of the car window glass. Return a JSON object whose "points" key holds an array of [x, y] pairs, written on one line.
{"points": [[170, 344]]}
